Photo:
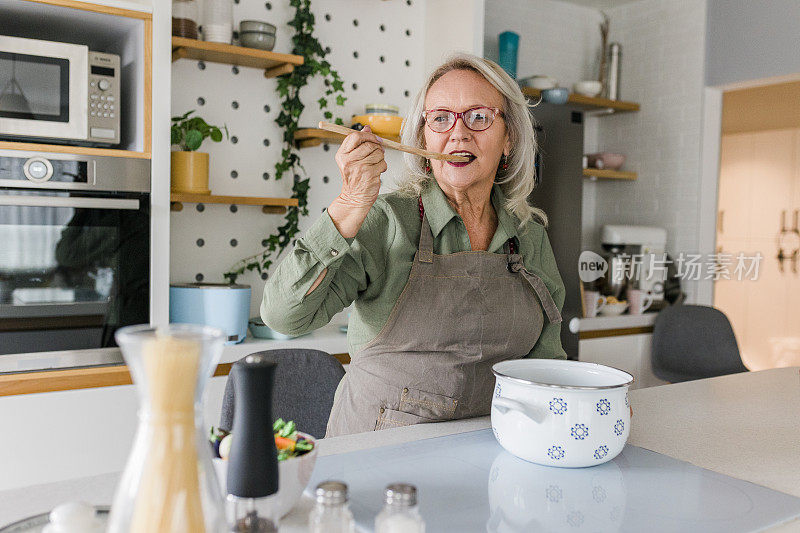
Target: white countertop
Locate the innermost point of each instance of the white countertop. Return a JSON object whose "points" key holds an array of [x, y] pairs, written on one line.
{"points": [[327, 338], [611, 322], [743, 425]]}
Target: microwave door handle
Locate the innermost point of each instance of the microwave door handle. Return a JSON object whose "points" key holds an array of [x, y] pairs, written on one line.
{"points": [[79, 203]]}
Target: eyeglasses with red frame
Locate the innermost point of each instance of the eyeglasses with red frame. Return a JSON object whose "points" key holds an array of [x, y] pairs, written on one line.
{"points": [[475, 118]]}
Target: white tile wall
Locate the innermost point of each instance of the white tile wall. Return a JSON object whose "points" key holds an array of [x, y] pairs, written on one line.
{"points": [[663, 44], [556, 38]]}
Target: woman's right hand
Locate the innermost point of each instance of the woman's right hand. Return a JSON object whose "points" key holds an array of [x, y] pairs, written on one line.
{"points": [[361, 162]]}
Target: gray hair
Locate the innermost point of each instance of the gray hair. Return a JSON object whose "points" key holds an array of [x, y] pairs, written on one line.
{"points": [[517, 182]]}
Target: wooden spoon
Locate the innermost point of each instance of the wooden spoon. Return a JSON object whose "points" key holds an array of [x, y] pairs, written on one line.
{"points": [[335, 128]]}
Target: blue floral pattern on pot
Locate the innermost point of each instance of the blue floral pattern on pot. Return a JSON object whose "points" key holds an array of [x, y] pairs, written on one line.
{"points": [[579, 431], [497, 391], [601, 452], [558, 406], [619, 427], [556, 452], [603, 407]]}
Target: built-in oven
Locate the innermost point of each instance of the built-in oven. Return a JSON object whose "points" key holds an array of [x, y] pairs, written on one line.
{"points": [[74, 249]]}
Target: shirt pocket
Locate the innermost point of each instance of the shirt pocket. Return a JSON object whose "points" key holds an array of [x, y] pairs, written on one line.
{"points": [[428, 404], [392, 418]]}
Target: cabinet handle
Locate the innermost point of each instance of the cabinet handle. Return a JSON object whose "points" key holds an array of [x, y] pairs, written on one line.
{"points": [[721, 221]]}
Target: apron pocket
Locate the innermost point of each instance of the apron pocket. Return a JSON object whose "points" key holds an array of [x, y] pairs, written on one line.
{"points": [[390, 418], [428, 404]]}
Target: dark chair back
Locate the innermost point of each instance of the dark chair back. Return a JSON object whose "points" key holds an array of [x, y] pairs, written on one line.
{"points": [[694, 342], [305, 382]]}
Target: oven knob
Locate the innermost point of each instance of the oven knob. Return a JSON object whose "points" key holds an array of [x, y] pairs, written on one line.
{"points": [[104, 85], [38, 169]]}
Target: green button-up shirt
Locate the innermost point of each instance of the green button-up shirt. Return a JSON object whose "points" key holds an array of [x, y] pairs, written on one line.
{"points": [[372, 269]]}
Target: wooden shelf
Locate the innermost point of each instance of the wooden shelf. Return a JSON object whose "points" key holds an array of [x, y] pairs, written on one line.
{"points": [[609, 174], [268, 205], [65, 149], [617, 106], [273, 63], [307, 137]]}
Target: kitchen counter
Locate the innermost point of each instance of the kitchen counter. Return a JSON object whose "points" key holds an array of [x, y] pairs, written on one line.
{"points": [[743, 425]]}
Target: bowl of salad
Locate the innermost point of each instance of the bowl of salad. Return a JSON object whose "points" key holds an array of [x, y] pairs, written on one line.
{"points": [[297, 454]]}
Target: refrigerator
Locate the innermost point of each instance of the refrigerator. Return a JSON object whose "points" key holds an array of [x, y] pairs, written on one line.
{"points": [[559, 192]]}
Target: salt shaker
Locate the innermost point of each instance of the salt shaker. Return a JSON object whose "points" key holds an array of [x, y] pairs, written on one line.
{"points": [[400, 513], [253, 462], [331, 514]]}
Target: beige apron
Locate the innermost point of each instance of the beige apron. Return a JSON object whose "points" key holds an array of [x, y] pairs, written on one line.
{"points": [[458, 315]]}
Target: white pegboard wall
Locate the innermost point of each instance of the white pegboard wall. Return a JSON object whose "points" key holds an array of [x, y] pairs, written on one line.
{"points": [[378, 50]]}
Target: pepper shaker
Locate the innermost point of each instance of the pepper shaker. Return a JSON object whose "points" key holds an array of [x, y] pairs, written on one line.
{"points": [[253, 461]]}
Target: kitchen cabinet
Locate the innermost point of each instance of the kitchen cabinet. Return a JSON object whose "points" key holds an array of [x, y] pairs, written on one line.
{"points": [[759, 194]]}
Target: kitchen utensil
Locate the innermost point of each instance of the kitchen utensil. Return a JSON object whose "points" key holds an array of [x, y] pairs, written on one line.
{"points": [[589, 88], [213, 304], [335, 128], [508, 45], [169, 482], [257, 39], [614, 309], [385, 125], [381, 109], [253, 462], [262, 331], [561, 413], [607, 160], [256, 25], [556, 95], [593, 302], [614, 67], [293, 476], [639, 301]]}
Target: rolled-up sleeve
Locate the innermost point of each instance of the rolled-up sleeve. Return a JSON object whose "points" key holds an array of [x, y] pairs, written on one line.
{"points": [[549, 344], [350, 265]]}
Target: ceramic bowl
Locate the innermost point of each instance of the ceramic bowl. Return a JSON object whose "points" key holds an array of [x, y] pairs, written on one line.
{"points": [[539, 81], [561, 413], [256, 39], [256, 25], [556, 95], [609, 160], [293, 473], [262, 331], [613, 309], [588, 87], [383, 125]]}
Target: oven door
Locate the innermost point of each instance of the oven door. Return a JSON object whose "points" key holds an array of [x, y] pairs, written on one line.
{"points": [[73, 268], [43, 89]]}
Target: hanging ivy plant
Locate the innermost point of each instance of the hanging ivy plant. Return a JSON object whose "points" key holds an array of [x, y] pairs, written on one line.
{"points": [[306, 45]]}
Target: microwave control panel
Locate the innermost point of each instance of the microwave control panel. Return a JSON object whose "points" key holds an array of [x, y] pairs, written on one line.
{"points": [[104, 98]]}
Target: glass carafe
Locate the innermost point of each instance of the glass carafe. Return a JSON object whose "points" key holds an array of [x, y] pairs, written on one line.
{"points": [[169, 483]]}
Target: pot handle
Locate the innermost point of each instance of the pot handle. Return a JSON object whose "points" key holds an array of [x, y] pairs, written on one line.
{"points": [[505, 405]]}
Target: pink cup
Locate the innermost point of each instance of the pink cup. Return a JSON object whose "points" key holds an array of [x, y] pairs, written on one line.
{"points": [[639, 301]]}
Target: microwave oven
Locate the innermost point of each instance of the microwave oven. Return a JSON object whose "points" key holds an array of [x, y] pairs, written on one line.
{"points": [[58, 92]]}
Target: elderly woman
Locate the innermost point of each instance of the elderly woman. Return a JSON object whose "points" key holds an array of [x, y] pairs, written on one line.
{"points": [[447, 276]]}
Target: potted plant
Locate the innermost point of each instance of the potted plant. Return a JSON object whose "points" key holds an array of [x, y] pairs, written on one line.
{"points": [[189, 169]]}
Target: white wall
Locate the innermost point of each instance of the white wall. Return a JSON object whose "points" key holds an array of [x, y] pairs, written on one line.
{"points": [[556, 38], [662, 69], [251, 124]]}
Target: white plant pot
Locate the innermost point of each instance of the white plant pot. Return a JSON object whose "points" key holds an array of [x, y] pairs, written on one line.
{"points": [[561, 413]]}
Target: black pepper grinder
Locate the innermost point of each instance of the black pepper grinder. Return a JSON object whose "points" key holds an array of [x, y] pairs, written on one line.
{"points": [[253, 461]]}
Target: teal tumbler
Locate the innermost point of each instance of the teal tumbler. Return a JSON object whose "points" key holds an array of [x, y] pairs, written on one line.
{"points": [[507, 56]]}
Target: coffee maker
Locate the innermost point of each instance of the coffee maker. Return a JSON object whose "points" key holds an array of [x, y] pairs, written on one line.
{"points": [[636, 259]]}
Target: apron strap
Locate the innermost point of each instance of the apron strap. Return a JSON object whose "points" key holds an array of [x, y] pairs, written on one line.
{"points": [[551, 309], [425, 247]]}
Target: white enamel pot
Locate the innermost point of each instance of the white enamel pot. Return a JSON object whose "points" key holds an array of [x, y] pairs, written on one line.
{"points": [[561, 413]]}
